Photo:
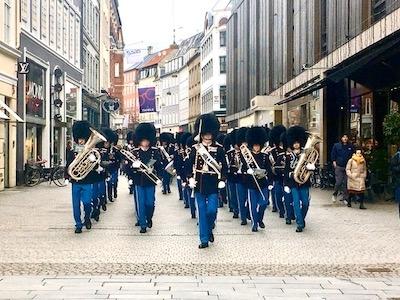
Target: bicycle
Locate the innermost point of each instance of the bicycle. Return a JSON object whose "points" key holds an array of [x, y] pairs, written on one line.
{"points": [[36, 173]]}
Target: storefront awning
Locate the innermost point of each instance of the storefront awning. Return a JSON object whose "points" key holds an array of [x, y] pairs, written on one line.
{"points": [[11, 112], [305, 91]]}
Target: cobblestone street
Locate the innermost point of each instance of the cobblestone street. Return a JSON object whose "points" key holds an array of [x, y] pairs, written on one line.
{"points": [[341, 252]]}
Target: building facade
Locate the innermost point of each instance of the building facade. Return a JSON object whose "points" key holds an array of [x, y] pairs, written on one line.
{"points": [[49, 96], [194, 89], [316, 63], [213, 63], [9, 57], [130, 99], [105, 44]]}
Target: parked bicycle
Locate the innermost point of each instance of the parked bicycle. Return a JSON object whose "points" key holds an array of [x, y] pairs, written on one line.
{"points": [[36, 173]]}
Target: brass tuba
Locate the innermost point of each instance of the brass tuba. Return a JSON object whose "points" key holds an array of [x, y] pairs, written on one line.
{"points": [[309, 156], [85, 161]]}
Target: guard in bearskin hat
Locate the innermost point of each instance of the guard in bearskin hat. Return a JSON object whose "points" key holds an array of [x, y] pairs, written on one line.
{"points": [[113, 161], [296, 140], [277, 158], [179, 156], [241, 188], [167, 153], [258, 175], [233, 161], [147, 169], [222, 192], [188, 193], [288, 199], [208, 163], [82, 189], [131, 144]]}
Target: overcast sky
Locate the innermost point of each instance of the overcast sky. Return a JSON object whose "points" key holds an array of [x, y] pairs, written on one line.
{"points": [[151, 22]]}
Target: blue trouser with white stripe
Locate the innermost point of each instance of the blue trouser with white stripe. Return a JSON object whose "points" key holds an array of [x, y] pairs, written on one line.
{"points": [[232, 197], [257, 205], [146, 203], [278, 197], [81, 193], [207, 206], [135, 197], [190, 200], [241, 193], [301, 202], [166, 177], [288, 199], [95, 199], [180, 189]]}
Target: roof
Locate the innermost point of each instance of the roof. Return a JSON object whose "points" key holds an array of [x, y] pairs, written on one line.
{"points": [[133, 67], [189, 43], [156, 58]]}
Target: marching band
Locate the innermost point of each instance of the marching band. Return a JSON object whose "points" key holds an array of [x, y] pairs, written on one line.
{"points": [[248, 169]]}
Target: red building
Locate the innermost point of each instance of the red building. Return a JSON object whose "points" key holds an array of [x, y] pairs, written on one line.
{"points": [[130, 102]]}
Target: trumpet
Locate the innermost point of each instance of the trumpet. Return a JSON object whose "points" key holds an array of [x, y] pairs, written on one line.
{"points": [[85, 161], [252, 163]]}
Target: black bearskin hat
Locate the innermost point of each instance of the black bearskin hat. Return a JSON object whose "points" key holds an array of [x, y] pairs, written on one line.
{"points": [[178, 137], [227, 142], [240, 136], [256, 136], [130, 136], [146, 131], [232, 136], [267, 131], [110, 135], [183, 138], [81, 130], [209, 124], [284, 140], [166, 137], [190, 141], [220, 138], [275, 134], [296, 134]]}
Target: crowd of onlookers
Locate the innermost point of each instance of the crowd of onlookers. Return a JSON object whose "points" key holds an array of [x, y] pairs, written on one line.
{"points": [[351, 165]]}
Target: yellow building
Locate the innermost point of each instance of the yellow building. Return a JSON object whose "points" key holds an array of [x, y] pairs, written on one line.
{"points": [[9, 56]]}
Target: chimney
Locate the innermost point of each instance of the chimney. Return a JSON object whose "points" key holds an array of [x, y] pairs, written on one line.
{"points": [[149, 50]]}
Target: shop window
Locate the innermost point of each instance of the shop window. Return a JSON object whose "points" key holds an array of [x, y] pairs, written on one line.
{"points": [[35, 91]]}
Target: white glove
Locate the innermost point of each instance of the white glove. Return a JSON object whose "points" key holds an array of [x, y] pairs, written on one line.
{"points": [[159, 182], [136, 164], [270, 187], [126, 162], [310, 167], [178, 177], [108, 179], [250, 171], [92, 158], [183, 184], [99, 169], [130, 181], [221, 185], [66, 181], [192, 183], [287, 189]]}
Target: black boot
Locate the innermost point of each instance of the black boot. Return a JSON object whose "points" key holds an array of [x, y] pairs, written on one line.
{"points": [[362, 202], [115, 192], [109, 193]]}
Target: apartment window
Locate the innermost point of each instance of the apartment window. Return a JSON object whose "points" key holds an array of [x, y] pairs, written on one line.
{"points": [[24, 10], [71, 37], [222, 96], [7, 20], [65, 30], [35, 17], [52, 22], [222, 64], [77, 40], [59, 26], [43, 20], [116, 70], [222, 38]]}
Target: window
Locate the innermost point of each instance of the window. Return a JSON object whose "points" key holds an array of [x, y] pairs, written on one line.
{"points": [[222, 38], [52, 23], [71, 37], [222, 96], [222, 64], [65, 31], [24, 10], [35, 17], [116, 70], [43, 20], [59, 26], [7, 20], [77, 40]]}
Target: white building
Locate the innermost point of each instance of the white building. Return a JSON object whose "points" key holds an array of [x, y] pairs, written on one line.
{"points": [[174, 99], [213, 63]]}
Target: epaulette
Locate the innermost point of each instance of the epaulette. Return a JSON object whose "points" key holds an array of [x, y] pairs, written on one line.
{"points": [[218, 144], [155, 148]]}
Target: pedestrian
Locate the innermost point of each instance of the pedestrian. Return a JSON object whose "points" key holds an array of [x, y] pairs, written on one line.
{"points": [[340, 155], [81, 187], [148, 161], [356, 171], [258, 175], [296, 138], [208, 163], [395, 168]]}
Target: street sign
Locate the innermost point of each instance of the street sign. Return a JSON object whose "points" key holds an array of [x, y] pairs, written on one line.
{"points": [[23, 68], [110, 105]]}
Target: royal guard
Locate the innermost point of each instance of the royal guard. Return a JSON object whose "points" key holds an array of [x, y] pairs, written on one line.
{"points": [[113, 163], [188, 169], [233, 162], [258, 174], [167, 150], [131, 144], [222, 192], [299, 188], [209, 167], [178, 163], [287, 197], [241, 188], [147, 168], [277, 160], [81, 170]]}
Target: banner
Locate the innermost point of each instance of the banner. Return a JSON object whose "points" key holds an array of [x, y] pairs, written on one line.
{"points": [[147, 100]]}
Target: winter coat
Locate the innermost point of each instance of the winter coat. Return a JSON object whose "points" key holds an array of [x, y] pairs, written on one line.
{"points": [[356, 174]]}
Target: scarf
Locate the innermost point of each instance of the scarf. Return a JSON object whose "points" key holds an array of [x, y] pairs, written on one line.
{"points": [[359, 159]]}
